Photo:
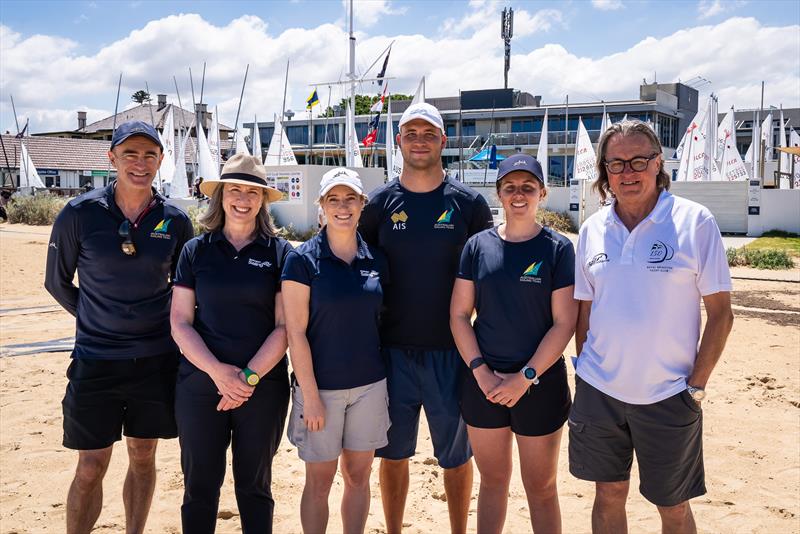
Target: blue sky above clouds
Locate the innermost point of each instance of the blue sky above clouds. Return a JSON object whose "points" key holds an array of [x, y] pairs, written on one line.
{"points": [[59, 57]]}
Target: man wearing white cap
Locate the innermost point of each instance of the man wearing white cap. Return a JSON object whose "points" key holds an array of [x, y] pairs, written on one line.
{"points": [[421, 221]]}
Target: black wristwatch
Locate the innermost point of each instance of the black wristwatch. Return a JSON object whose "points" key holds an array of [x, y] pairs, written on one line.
{"points": [[476, 362]]}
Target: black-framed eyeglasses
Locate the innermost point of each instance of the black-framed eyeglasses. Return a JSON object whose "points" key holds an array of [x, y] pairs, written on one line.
{"points": [[124, 232], [637, 164]]}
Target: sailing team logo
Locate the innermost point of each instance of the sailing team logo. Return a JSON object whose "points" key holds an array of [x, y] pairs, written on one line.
{"points": [[531, 274], [399, 220], [160, 231], [444, 220]]}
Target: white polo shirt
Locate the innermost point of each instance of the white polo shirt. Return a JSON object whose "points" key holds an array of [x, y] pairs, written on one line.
{"points": [[646, 288]]}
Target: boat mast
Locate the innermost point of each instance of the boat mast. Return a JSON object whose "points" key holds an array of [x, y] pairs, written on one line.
{"points": [[351, 112]]}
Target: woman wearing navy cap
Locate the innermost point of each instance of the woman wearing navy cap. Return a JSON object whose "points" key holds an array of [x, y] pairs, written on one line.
{"points": [[333, 293], [519, 279], [227, 319]]}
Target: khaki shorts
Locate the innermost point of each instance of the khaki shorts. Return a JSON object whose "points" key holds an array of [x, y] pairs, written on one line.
{"points": [[355, 419]]}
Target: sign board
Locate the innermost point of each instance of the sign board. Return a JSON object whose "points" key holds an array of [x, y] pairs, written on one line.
{"points": [[754, 194], [574, 195], [86, 173], [289, 183], [99, 173], [47, 172]]}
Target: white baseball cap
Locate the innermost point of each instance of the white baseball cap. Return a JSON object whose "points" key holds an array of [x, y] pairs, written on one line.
{"points": [[340, 176], [425, 112]]}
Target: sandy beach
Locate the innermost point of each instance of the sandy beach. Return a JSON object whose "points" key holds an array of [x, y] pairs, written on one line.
{"points": [[752, 428]]}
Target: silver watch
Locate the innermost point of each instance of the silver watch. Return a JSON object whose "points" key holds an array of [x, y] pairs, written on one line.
{"points": [[698, 394]]}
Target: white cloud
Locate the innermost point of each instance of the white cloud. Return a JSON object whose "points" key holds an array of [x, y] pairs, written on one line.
{"points": [[709, 8], [607, 5], [50, 80], [367, 12]]}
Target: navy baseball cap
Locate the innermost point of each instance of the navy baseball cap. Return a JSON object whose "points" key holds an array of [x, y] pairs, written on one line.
{"points": [[131, 128], [520, 162]]}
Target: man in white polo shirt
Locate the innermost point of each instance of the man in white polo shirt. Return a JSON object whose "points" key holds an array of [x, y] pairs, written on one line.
{"points": [[643, 264]]}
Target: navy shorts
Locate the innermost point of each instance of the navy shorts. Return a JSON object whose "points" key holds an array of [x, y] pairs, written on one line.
{"points": [[429, 379], [667, 437], [541, 411], [106, 396]]}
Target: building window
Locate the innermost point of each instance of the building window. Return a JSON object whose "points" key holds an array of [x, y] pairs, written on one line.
{"points": [[468, 128], [297, 135]]}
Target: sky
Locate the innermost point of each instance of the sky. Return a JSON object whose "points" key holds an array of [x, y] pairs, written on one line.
{"points": [[59, 57]]}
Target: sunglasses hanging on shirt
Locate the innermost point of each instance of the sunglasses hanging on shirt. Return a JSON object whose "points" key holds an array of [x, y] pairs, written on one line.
{"points": [[124, 231]]}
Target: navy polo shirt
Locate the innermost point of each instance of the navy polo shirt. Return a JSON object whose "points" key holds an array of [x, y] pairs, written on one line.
{"points": [[345, 310], [422, 234], [514, 283], [234, 293], [122, 304]]}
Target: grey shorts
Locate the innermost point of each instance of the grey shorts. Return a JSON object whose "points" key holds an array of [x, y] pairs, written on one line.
{"points": [[356, 419], [667, 437]]}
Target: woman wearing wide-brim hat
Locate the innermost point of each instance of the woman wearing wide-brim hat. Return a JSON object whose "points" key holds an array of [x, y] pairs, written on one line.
{"points": [[227, 319]]}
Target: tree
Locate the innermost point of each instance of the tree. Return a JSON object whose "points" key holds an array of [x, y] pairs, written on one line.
{"points": [[141, 96], [363, 103]]}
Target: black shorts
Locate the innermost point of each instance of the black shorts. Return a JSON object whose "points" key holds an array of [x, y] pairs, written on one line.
{"points": [[541, 411], [667, 437], [106, 396]]}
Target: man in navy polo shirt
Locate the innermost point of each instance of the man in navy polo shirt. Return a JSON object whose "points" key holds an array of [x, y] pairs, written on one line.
{"points": [[124, 241], [421, 221]]}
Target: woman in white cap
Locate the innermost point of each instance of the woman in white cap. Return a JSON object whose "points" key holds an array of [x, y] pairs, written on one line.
{"points": [[333, 295], [227, 318], [519, 278]]}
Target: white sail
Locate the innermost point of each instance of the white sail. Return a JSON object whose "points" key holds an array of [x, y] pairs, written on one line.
{"points": [[755, 150], [256, 141], [794, 140], [389, 139], [541, 152], [167, 136], [419, 96], [241, 146], [179, 188], [605, 123], [207, 167], [785, 159], [766, 136], [702, 166], [213, 139], [726, 133], [352, 145], [28, 176], [733, 168], [584, 166], [684, 151], [280, 149]]}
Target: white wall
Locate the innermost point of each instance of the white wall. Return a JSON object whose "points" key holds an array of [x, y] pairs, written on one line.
{"points": [[780, 210]]}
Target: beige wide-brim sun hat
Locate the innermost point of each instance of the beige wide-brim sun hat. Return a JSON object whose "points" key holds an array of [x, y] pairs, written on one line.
{"points": [[242, 169]]}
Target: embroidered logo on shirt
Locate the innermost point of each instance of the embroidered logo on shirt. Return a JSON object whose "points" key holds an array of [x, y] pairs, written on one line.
{"points": [[259, 264], [598, 258], [444, 220], [160, 231], [660, 252], [399, 220], [531, 273]]}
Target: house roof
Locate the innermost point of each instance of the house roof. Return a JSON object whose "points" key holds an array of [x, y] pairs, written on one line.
{"points": [[69, 154], [142, 113]]}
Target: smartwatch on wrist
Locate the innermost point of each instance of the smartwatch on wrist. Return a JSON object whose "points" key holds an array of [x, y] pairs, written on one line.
{"points": [[476, 362], [250, 376], [530, 375]]}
